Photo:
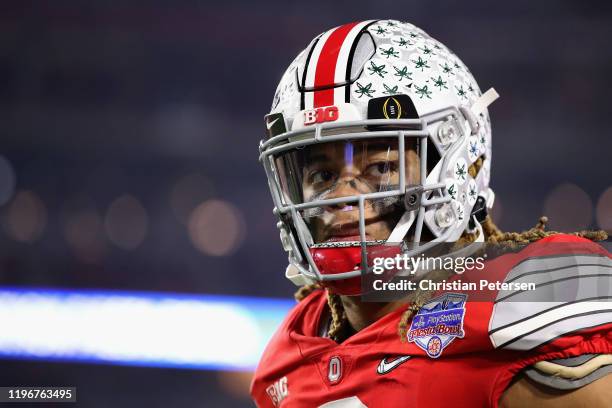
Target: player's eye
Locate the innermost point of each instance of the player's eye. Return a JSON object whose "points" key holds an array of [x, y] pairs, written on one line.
{"points": [[320, 176], [380, 168]]}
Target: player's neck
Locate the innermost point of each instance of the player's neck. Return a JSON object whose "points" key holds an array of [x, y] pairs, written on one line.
{"points": [[362, 314]]}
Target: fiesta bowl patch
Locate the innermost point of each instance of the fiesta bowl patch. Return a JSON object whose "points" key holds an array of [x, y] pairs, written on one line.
{"points": [[438, 323]]}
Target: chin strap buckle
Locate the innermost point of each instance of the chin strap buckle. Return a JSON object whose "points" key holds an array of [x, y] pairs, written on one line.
{"points": [[296, 277], [479, 212]]}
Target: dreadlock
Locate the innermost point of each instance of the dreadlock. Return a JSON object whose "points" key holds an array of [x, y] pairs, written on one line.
{"points": [[493, 235], [339, 322], [306, 290]]}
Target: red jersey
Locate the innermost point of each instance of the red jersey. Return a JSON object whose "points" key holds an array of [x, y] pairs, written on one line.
{"points": [[459, 352]]}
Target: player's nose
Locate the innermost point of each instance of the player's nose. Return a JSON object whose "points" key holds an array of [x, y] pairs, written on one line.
{"points": [[346, 186]]}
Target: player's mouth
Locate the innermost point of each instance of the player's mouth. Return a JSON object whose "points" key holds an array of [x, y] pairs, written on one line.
{"points": [[345, 234], [348, 230], [355, 237]]}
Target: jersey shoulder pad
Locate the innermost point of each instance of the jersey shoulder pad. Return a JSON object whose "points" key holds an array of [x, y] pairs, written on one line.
{"points": [[568, 283]]}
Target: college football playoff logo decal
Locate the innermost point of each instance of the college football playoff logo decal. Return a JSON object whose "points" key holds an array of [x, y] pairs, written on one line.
{"points": [[392, 107], [438, 323]]}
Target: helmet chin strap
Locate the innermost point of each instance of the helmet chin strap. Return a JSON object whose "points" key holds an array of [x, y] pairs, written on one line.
{"points": [[296, 277], [480, 238], [402, 227], [484, 101]]}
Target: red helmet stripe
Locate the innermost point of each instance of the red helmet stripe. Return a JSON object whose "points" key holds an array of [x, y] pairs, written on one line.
{"points": [[326, 65]]}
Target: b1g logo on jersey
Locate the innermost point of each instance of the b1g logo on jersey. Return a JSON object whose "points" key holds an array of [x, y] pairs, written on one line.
{"points": [[438, 323], [278, 391], [320, 115]]}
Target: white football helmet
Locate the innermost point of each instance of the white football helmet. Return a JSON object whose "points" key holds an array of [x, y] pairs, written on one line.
{"points": [[379, 98]]}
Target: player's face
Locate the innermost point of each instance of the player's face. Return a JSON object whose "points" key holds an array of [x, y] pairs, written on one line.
{"points": [[348, 168]]}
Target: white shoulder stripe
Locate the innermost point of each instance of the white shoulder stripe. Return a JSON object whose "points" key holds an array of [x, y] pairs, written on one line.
{"points": [[566, 286], [547, 334], [543, 320], [534, 266]]}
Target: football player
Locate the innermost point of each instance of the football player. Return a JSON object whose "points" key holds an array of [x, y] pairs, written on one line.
{"points": [[378, 146]]}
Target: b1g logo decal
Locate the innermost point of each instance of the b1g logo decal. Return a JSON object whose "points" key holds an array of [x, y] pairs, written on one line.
{"points": [[320, 115], [278, 391], [438, 323]]}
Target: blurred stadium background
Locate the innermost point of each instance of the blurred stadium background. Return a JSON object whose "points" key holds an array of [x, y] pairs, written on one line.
{"points": [[139, 259]]}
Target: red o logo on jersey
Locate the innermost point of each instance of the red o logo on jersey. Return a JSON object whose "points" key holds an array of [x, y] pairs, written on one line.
{"points": [[320, 115], [334, 372]]}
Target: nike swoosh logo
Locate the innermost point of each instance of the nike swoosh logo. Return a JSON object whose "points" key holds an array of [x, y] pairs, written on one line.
{"points": [[386, 366], [270, 124]]}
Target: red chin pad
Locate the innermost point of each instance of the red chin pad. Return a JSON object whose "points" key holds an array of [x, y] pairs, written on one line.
{"points": [[332, 261]]}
